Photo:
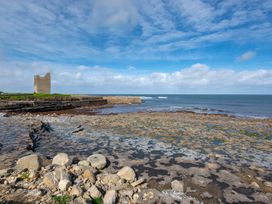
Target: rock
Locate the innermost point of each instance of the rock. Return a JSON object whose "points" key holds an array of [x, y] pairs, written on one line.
{"points": [[88, 174], [34, 193], [97, 161], [255, 185], [3, 172], [80, 200], [94, 192], [201, 181], [212, 166], [50, 181], [30, 162], [149, 196], [268, 184], [78, 169], [110, 179], [127, 173], [206, 195], [84, 163], [232, 196], [76, 191], [61, 173], [64, 184], [110, 197], [138, 182], [61, 159], [177, 186]]}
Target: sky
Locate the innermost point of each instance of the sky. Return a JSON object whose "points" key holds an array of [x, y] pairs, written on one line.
{"points": [[137, 46]]}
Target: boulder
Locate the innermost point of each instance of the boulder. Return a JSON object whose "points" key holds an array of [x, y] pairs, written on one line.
{"points": [[76, 191], [88, 174], [177, 186], [97, 161], [64, 184], [127, 173], [94, 192], [61, 159], [50, 181], [110, 197], [30, 162], [110, 179], [84, 163]]}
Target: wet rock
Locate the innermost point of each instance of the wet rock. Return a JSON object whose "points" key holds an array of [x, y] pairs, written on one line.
{"points": [[127, 173], [97, 161], [232, 196], [64, 184], [94, 192], [50, 181], [110, 197], [88, 174], [110, 179], [76, 191], [30, 162], [61, 159], [201, 181], [138, 182], [177, 186]]}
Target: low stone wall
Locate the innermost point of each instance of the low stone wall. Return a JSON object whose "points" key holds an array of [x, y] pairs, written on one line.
{"points": [[122, 99]]}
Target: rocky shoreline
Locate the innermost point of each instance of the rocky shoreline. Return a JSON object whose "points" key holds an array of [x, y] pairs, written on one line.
{"points": [[218, 159]]}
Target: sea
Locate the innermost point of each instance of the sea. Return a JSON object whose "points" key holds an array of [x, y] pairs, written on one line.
{"points": [[255, 106]]}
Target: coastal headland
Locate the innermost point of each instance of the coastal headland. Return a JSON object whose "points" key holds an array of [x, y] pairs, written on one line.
{"points": [[177, 157]]}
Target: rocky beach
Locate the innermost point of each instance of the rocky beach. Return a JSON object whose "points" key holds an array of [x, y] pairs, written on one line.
{"points": [[178, 157]]}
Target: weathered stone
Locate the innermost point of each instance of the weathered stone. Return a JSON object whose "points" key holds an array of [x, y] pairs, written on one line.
{"points": [[177, 186], [61, 159], [201, 181], [127, 173], [88, 174], [94, 192], [110, 179], [84, 163], [64, 184], [206, 195], [138, 182], [30, 162], [61, 173], [97, 161], [110, 197], [149, 196], [76, 191], [50, 181]]}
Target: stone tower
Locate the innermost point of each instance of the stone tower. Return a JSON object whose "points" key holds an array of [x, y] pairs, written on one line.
{"points": [[42, 84]]}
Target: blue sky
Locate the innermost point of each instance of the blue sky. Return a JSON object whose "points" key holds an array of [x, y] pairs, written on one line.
{"points": [[129, 46]]}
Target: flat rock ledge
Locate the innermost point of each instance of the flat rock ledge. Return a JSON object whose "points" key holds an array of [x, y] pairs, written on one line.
{"points": [[68, 180]]}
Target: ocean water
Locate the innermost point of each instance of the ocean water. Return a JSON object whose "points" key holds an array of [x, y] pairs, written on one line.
{"points": [[259, 106]]}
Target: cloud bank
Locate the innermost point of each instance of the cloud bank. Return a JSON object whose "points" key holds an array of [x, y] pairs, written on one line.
{"points": [[198, 78]]}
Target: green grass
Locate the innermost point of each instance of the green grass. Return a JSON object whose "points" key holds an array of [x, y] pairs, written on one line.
{"points": [[34, 97], [63, 199], [97, 201], [25, 175]]}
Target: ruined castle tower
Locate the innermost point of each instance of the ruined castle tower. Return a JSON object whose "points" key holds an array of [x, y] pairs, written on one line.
{"points": [[42, 84]]}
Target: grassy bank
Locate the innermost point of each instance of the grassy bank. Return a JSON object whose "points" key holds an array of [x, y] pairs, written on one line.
{"points": [[33, 97]]}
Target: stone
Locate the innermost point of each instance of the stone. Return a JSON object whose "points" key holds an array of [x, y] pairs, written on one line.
{"points": [[80, 200], [84, 163], [61, 159], [50, 181], [110, 197], [232, 196], [30, 162], [88, 174], [76, 191], [127, 173], [177, 186], [201, 181], [206, 195], [94, 192], [268, 184], [149, 196], [3, 172], [64, 184], [34, 193], [110, 179], [138, 182], [61, 173], [255, 185], [97, 161]]}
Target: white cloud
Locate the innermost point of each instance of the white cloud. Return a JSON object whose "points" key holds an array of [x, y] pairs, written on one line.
{"points": [[199, 78], [246, 56]]}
